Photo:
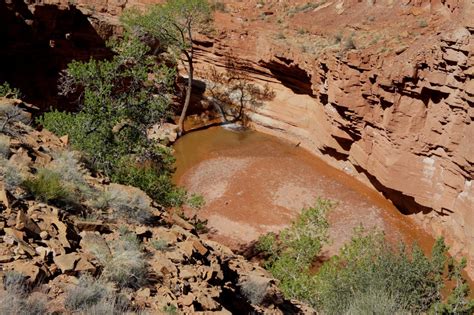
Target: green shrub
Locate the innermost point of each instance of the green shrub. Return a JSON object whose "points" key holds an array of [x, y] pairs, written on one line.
{"points": [[7, 91], [290, 255], [46, 186], [368, 276], [410, 282], [155, 181], [196, 201]]}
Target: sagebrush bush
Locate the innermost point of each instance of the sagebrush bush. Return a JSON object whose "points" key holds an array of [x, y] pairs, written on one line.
{"points": [[67, 163], [86, 293], [375, 302], [254, 291], [128, 205], [4, 146], [94, 297], [126, 266], [10, 174], [16, 299]]}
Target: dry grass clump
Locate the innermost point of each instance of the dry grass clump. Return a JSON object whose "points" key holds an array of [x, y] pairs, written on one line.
{"points": [[16, 298], [128, 205], [94, 296], [254, 291], [126, 265]]}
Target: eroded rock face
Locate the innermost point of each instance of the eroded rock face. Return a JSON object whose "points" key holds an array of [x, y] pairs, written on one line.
{"points": [[400, 121]]}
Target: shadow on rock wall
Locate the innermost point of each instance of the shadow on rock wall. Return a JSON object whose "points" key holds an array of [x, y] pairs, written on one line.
{"points": [[36, 43]]}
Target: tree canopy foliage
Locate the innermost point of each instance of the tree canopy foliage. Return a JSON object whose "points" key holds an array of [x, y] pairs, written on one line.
{"points": [[119, 100], [368, 276], [172, 24]]}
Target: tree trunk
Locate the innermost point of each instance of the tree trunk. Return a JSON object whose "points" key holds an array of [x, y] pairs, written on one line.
{"points": [[189, 57], [187, 100]]}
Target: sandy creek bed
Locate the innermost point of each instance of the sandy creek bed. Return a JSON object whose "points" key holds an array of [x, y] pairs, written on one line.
{"points": [[254, 183]]}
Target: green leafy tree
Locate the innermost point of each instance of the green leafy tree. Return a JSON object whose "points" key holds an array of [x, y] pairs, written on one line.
{"points": [[173, 25], [119, 100]]}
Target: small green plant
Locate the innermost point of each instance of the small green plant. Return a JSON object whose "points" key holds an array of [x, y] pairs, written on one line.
{"points": [[196, 201], [7, 91], [171, 309], [422, 23], [160, 245], [46, 186]]}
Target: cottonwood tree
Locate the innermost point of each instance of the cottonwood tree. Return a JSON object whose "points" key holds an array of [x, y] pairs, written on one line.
{"points": [[232, 91], [173, 25]]}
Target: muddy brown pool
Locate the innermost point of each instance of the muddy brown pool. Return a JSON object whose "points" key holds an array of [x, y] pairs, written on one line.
{"points": [[254, 183]]}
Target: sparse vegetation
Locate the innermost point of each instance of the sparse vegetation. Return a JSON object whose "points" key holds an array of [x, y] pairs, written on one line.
{"points": [[16, 298], [86, 293], [160, 245], [254, 291], [4, 146], [422, 23], [369, 276], [126, 266], [10, 174], [46, 186], [218, 6]]}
